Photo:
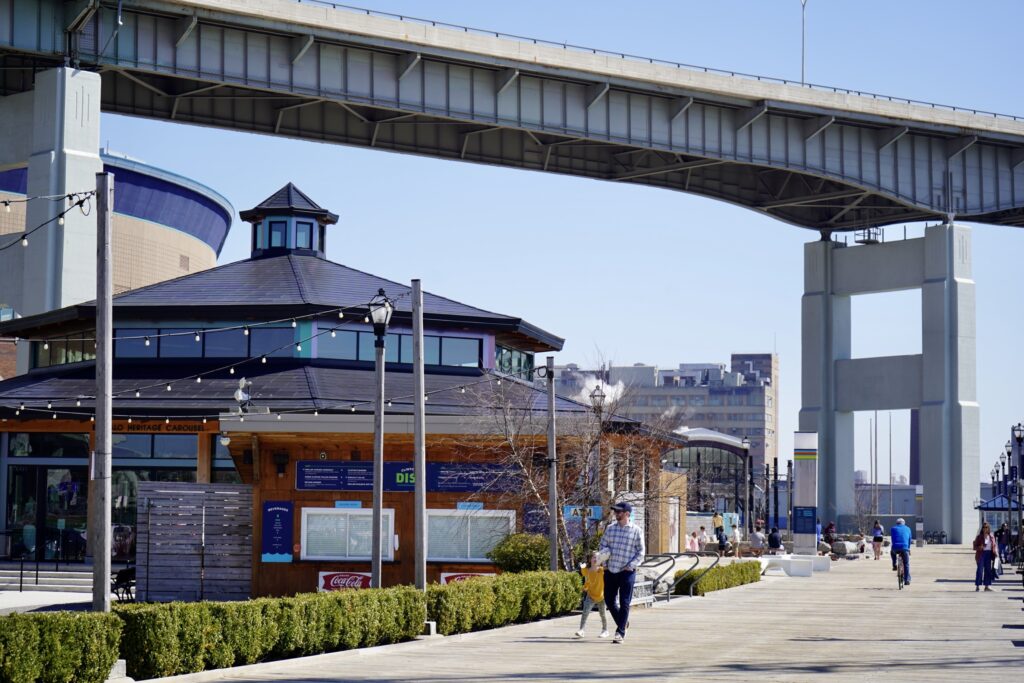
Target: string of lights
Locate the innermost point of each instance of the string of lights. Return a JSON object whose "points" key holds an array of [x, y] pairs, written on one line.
{"points": [[200, 332], [262, 359], [80, 202], [50, 197]]}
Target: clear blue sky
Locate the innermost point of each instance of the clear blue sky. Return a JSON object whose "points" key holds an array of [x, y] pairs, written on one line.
{"points": [[642, 275]]}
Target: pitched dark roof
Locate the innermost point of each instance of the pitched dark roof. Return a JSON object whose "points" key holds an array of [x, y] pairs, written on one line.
{"points": [[301, 283], [291, 200]]}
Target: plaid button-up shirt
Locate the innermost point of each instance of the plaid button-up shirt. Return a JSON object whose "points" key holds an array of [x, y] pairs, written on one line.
{"points": [[626, 545]]}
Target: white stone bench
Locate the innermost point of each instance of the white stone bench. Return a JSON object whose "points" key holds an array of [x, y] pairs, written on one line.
{"points": [[819, 563], [792, 566]]}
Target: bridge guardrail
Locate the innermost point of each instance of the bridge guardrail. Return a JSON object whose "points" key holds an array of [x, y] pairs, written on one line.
{"points": [[661, 62]]}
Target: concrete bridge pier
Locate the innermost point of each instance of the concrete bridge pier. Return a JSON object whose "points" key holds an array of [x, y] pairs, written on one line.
{"points": [[940, 381], [54, 130]]}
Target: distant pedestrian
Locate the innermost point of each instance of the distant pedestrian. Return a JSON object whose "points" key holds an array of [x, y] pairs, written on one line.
{"points": [[775, 542], [736, 539], [593, 595], [757, 542], [625, 542], [877, 536], [830, 533], [703, 538], [985, 546], [723, 542], [1003, 539], [692, 542], [717, 523], [817, 532]]}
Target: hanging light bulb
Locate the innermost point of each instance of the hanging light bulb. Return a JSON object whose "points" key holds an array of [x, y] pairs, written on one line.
{"points": [[17, 412], [198, 338], [353, 409], [279, 416], [60, 219], [341, 314], [333, 334], [389, 404], [168, 387], [241, 418], [167, 420], [366, 318], [146, 341], [231, 371], [7, 207], [316, 412], [263, 359], [21, 406], [92, 418], [129, 420], [46, 345], [199, 380], [245, 330], [499, 382], [49, 405], [462, 390], [426, 397], [24, 241], [55, 416], [294, 323], [138, 393], [298, 347], [78, 404]]}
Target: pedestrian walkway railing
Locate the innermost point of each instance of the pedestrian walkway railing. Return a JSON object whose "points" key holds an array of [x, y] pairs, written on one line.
{"points": [[667, 563]]}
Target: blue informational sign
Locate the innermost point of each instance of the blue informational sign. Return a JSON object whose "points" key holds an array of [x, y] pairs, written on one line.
{"points": [[276, 540], [348, 504], [442, 477], [469, 505], [804, 520]]}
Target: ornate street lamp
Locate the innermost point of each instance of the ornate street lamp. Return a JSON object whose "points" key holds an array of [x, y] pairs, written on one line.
{"points": [[597, 398], [381, 309]]}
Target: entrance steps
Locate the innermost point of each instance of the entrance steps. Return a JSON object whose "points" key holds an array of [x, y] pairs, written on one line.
{"points": [[77, 580]]}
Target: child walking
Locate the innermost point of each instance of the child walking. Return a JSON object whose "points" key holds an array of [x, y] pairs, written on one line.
{"points": [[593, 594]]}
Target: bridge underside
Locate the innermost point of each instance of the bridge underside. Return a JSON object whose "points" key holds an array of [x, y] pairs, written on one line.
{"points": [[816, 168]]}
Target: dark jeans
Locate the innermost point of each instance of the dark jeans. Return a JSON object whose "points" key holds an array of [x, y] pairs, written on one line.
{"points": [[906, 563], [985, 570], [618, 593]]}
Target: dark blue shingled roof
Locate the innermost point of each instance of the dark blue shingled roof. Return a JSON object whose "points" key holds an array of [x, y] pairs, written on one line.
{"points": [[289, 199]]}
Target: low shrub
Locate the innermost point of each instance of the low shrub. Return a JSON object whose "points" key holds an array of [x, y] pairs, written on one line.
{"points": [[178, 638], [521, 553], [719, 578], [62, 647], [486, 602]]}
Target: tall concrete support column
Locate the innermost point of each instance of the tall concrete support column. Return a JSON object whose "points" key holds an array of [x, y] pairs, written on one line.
{"points": [[64, 157], [825, 335], [949, 416]]}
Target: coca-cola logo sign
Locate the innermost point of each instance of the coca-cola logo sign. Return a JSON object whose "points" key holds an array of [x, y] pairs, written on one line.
{"points": [[452, 577], [336, 581]]}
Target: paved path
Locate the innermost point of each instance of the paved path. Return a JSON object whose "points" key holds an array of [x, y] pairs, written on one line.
{"points": [[48, 601], [845, 625]]}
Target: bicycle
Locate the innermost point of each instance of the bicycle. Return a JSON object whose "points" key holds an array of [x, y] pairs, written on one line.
{"points": [[900, 570]]}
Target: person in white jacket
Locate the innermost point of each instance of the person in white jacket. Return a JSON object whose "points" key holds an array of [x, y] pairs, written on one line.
{"points": [[736, 538]]}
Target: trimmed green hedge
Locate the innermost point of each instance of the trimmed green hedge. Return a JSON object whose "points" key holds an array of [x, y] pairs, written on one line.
{"points": [[63, 647], [486, 602], [719, 578], [177, 638], [522, 553]]}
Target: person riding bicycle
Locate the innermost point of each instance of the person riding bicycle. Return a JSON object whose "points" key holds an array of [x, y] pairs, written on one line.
{"points": [[901, 539]]}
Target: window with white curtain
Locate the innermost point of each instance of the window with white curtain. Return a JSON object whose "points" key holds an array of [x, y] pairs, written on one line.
{"points": [[344, 533], [466, 535]]}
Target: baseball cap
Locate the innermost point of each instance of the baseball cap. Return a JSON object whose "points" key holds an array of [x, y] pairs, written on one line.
{"points": [[624, 506]]}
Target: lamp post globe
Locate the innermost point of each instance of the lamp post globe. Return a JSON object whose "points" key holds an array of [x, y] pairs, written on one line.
{"points": [[380, 310], [597, 397], [1018, 433]]}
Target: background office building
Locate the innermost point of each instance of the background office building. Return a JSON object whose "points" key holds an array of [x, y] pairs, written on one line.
{"points": [[739, 400]]}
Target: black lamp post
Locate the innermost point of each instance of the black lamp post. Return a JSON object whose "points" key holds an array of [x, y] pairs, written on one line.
{"points": [[746, 487], [597, 397], [381, 309], [1018, 436]]}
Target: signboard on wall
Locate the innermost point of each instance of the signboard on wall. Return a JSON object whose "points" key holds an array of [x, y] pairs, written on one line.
{"points": [[453, 577], [442, 477], [338, 581], [276, 539]]}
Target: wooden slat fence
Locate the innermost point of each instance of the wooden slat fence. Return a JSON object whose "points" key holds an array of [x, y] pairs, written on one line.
{"points": [[194, 542]]}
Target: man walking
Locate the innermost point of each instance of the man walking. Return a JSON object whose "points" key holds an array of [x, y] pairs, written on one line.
{"points": [[624, 542]]}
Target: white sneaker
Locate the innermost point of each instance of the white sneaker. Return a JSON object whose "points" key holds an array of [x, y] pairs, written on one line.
{"points": [[604, 634], [617, 638], [579, 634]]}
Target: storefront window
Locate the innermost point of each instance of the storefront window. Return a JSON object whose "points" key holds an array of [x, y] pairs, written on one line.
{"points": [[48, 445], [132, 445], [135, 348], [271, 341], [466, 535], [175, 446], [227, 344], [343, 534], [463, 353]]}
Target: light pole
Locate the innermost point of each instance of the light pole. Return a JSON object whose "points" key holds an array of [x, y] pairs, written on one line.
{"points": [[1006, 484], [803, 38], [597, 397], [380, 314], [1018, 436], [746, 486]]}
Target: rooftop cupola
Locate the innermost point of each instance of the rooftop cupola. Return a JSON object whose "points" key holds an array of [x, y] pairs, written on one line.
{"points": [[289, 222]]}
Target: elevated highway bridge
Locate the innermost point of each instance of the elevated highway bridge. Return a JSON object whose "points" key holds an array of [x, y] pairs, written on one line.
{"points": [[819, 158], [815, 157]]}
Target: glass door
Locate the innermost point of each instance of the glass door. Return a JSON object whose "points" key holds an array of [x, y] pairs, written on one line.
{"points": [[47, 512]]}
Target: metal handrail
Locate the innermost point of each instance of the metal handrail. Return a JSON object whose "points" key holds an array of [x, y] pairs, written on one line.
{"points": [[698, 555], [655, 561], [661, 62], [696, 560]]}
